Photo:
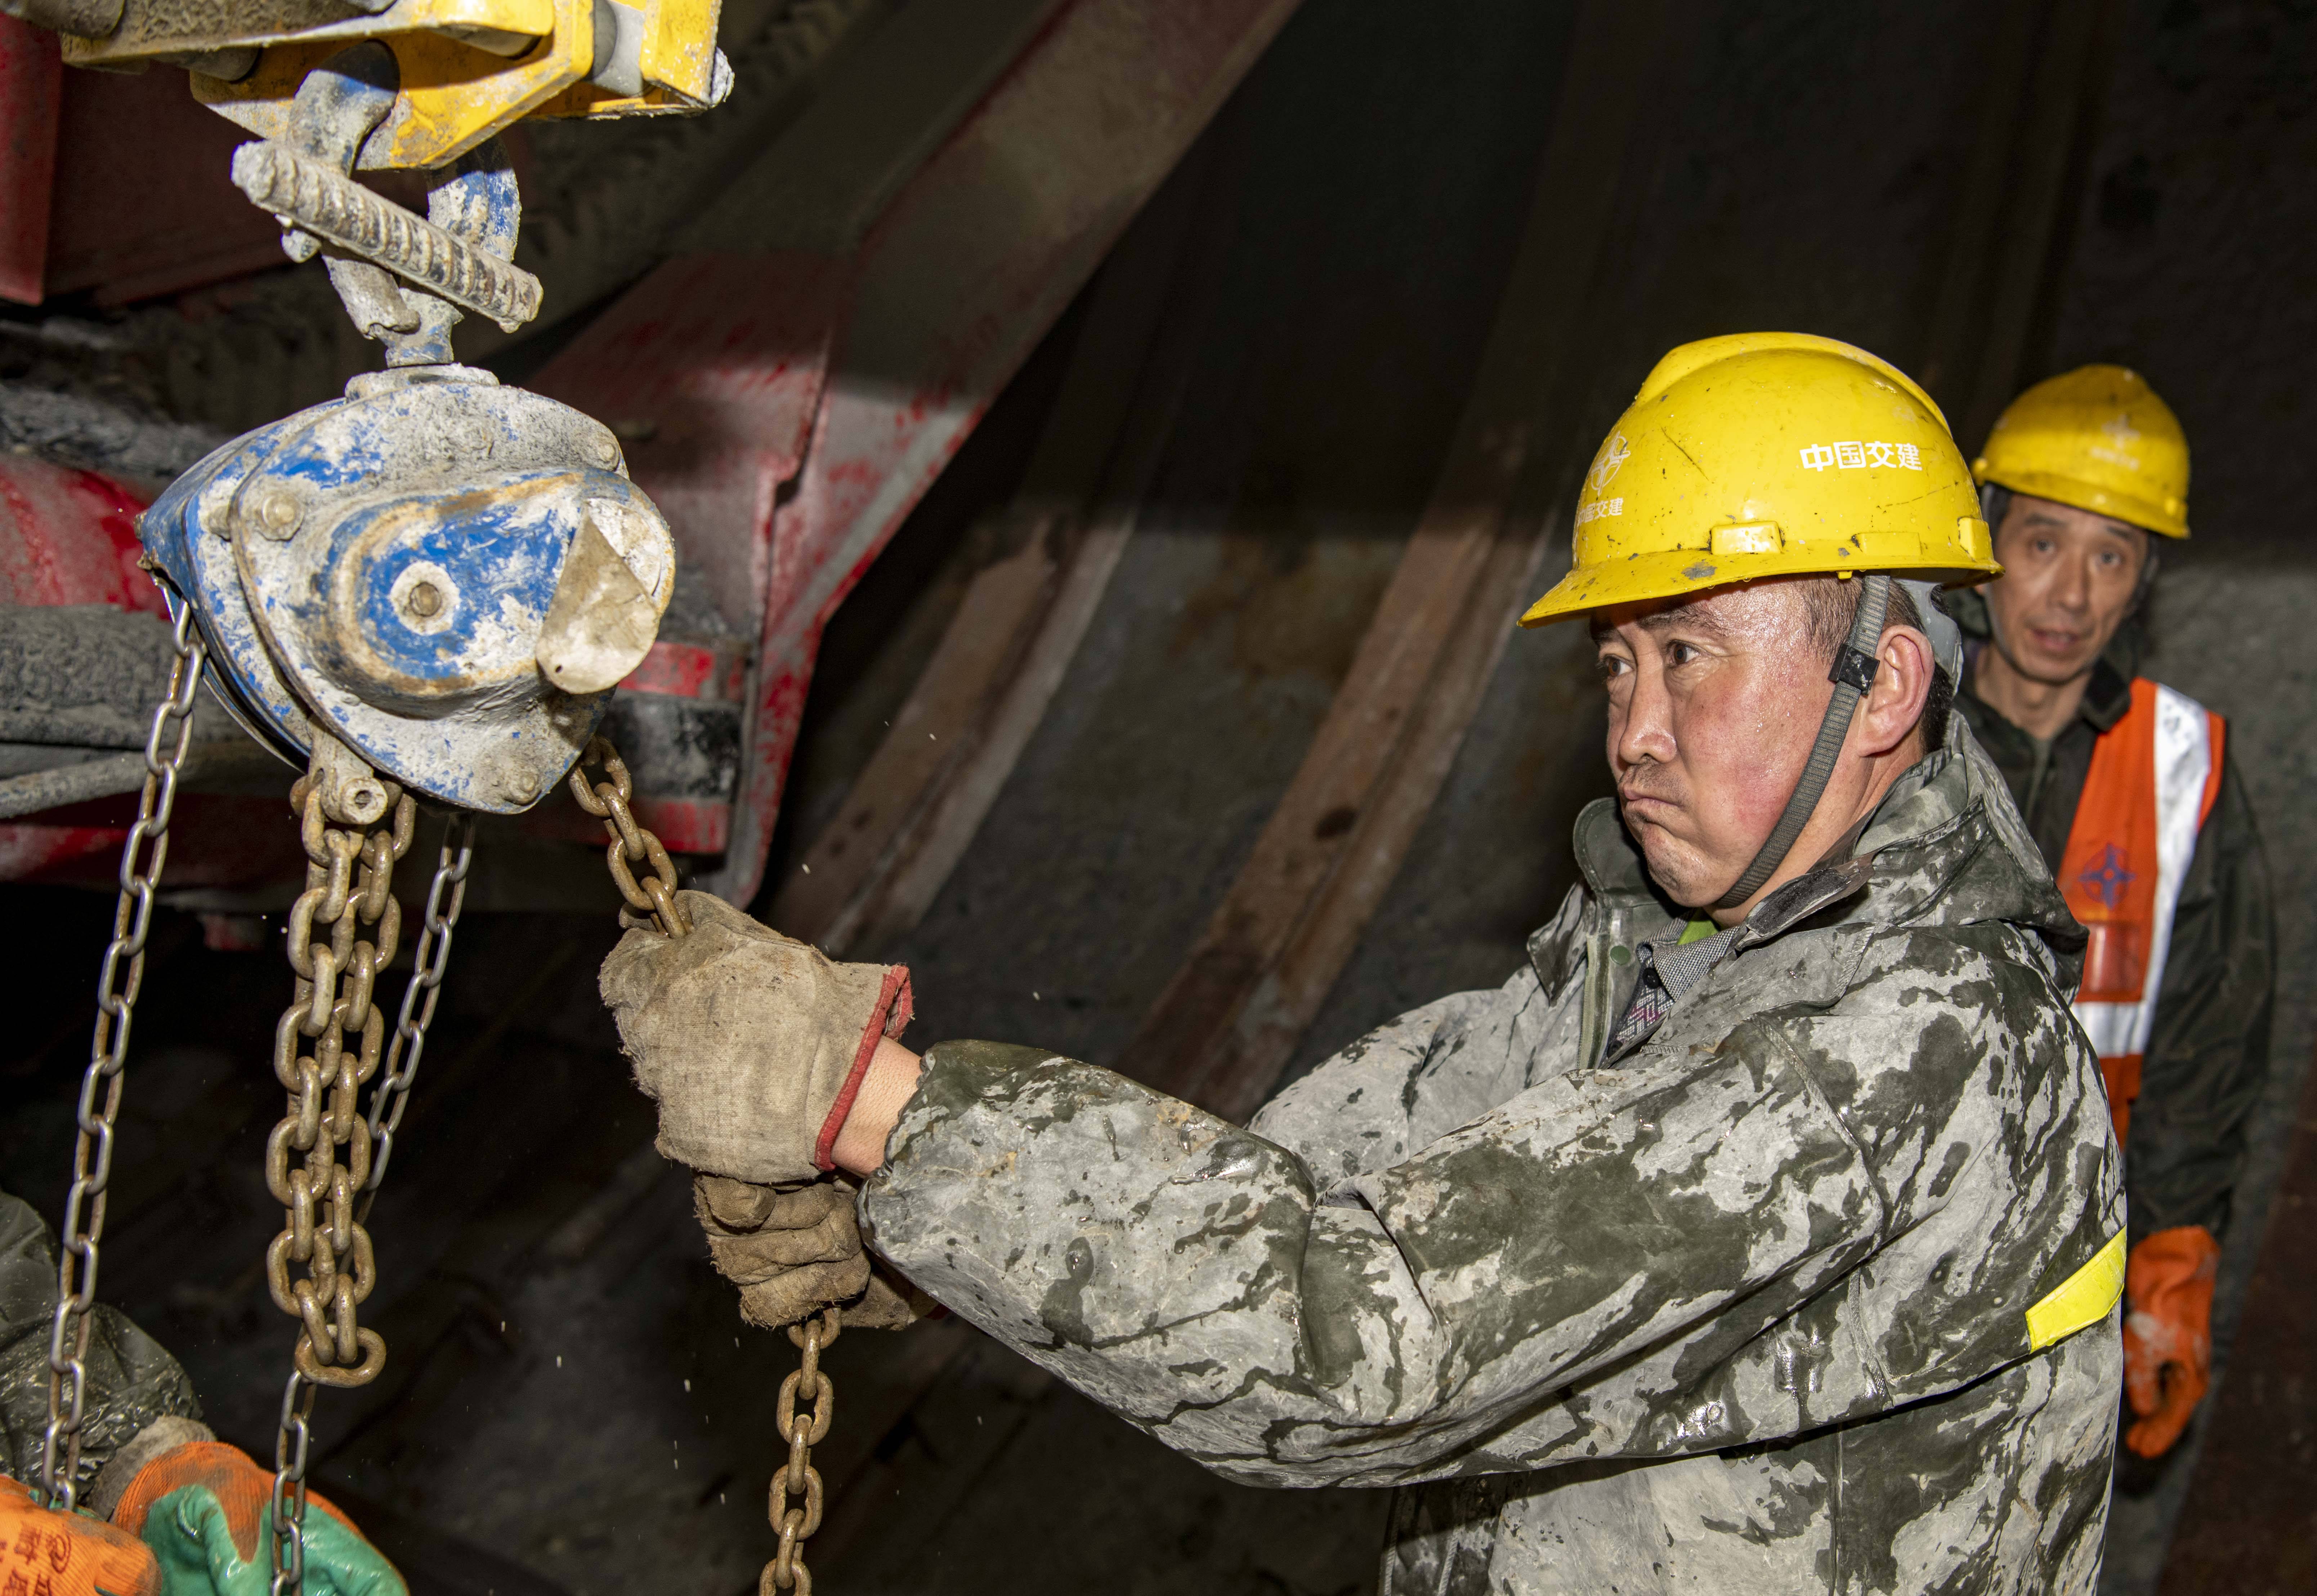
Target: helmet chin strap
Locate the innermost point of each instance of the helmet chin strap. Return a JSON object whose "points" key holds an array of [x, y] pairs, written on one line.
{"points": [[1855, 665]]}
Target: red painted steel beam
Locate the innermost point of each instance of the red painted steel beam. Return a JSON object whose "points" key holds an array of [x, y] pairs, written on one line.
{"points": [[68, 537], [797, 407]]}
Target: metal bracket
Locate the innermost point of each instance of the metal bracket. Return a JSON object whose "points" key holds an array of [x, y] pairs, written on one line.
{"points": [[455, 258]]}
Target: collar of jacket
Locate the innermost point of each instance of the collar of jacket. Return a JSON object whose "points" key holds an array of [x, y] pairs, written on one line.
{"points": [[1946, 834], [2108, 694]]}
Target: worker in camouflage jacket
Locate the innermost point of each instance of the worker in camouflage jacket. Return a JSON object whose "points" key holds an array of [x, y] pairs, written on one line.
{"points": [[1763, 1233]]}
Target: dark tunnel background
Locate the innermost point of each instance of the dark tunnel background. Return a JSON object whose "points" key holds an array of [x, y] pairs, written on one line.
{"points": [[1984, 192]]}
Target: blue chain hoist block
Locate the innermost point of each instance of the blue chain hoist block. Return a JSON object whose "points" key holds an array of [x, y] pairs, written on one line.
{"points": [[447, 575]]}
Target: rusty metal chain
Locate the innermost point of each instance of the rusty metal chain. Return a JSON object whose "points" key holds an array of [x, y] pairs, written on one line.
{"points": [[325, 1049], [344, 930], [796, 1496], [795, 1508], [120, 975], [444, 898], [631, 844]]}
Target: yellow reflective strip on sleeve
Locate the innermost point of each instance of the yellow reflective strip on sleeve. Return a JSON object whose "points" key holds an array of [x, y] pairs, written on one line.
{"points": [[2082, 1298]]}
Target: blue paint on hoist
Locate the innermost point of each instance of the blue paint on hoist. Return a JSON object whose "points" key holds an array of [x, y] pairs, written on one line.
{"points": [[398, 568]]}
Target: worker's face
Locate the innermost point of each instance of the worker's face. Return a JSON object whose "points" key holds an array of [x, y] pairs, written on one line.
{"points": [[1713, 703], [2068, 582]]}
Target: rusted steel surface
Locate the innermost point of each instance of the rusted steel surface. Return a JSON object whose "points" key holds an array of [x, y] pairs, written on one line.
{"points": [[711, 370], [1227, 1022], [968, 263]]}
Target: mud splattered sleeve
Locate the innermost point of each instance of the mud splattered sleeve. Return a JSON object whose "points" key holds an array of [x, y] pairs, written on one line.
{"points": [[1205, 1284], [1450, 1252]]}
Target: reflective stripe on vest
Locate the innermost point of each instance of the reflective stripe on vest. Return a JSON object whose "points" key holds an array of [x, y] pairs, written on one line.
{"points": [[2153, 777]]}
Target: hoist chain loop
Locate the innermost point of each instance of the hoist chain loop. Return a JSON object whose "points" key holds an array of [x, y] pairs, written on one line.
{"points": [[796, 1496], [343, 932], [120, 976], [631, 844]]}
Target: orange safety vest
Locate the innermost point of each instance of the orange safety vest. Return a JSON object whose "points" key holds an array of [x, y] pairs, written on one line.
{"points": [[2153, 777]]}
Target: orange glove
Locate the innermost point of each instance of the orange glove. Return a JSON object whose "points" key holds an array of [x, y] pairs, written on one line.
{"points": [[2168, 1335], [69, 1554]]}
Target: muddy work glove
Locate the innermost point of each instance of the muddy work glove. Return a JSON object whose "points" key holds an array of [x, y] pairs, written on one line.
{"points": [[794, 1252], [753, 1045], [2168, 1335], [206, 1513]]}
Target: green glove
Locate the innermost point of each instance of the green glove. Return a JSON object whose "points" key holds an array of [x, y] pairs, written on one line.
{"points": [[206, 1511]]}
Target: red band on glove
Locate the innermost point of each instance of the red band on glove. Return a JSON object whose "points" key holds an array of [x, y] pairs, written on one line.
{"points": [[896, 1007]]}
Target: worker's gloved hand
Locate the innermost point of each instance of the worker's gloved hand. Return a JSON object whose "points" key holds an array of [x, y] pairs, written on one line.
{"points": [[2167, 1333], [794, 1252], [69, 1554], [206, 1511], [752, 1044]]}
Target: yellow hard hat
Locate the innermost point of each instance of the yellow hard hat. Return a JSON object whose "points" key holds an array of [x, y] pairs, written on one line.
{"points": [[2099, 439], [1771, 454]]}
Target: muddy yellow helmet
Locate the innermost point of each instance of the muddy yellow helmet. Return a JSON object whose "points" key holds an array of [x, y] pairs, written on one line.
{"points": [[2099, 439], [1771, 454]]}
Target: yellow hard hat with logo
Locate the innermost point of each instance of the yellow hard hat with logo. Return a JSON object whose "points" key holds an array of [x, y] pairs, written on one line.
{"points": [[2098, 438], [1771, 454]]}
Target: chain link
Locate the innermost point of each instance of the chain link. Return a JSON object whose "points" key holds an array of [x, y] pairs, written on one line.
{"points": [[796, 1495], [325, 1048], [631, 844], [428, 961], [120, 975], [286, 1540], [797, 1500]]}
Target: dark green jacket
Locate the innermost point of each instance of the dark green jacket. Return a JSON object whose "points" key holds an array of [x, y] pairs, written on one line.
{"points": [[2208, 1054]]}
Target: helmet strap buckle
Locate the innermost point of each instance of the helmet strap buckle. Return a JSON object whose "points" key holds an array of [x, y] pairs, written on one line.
{"points": [[1854, 667]]}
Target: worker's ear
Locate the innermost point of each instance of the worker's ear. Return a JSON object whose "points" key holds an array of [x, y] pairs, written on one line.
{"points": [[1902, 685]]}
